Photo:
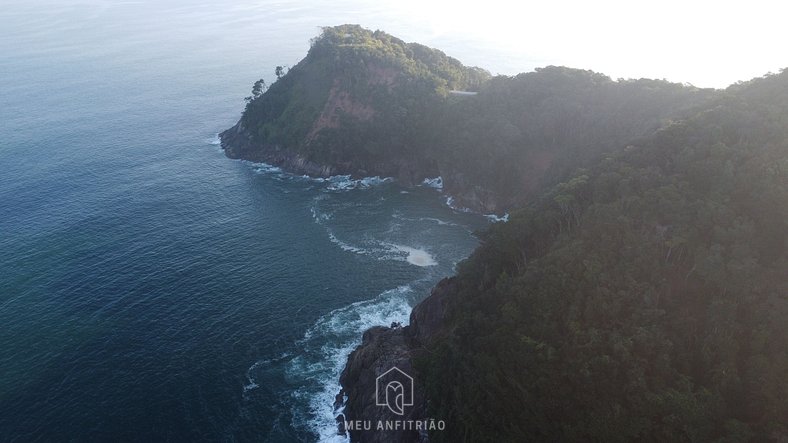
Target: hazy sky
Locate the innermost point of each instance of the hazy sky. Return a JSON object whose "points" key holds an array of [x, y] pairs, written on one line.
{"points": [[700, 42], [710, 44]]}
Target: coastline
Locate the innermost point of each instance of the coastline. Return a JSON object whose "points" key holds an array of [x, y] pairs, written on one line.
{"points": [[238, 144], [381, 347]]}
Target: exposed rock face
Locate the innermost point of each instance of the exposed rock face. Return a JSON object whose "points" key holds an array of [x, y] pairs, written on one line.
{"points": [[237, 143], [382, 349], [353, 106], [339, 102], [466, 195]]}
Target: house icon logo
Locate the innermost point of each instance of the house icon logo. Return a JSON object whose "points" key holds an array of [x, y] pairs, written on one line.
{"points": [[394, 389]]}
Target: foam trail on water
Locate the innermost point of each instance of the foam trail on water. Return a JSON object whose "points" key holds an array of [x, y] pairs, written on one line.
{"points": [[415, 256], [344, 246], [440, 222], [250, 378], [327, 345]]}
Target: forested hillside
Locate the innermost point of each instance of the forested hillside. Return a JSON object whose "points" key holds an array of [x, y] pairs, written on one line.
{"points": [[355, 104], [522, 133], [643, 299], [367, 103], [639, 291]]}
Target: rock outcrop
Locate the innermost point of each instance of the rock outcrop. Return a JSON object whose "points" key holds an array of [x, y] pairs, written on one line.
{"points": [[238, 144], [382, 349]]}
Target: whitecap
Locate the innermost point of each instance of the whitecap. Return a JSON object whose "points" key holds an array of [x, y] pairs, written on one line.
{"points": [[327, 345], [340, 183], [215, 140], [450, 203], [436, 182], [265, 168], [495, 219], [346, 183]]}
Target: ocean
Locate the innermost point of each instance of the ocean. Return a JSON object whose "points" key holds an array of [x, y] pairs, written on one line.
{"points": [[152, 289]]}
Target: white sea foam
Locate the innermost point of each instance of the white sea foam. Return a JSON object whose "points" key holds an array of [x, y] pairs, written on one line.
{"points": [[438, 221], [450, 203], [374, 181], [341, 183], [335, 182], [320, 218], [327, 345], [345, 246], [317, 216], [215, 140], [249, 386], [265, 168], [346, 183], [415, 256], [492, 217], [495, 219], [398, 215], [436, 182], [250, 378], [260, 364]]}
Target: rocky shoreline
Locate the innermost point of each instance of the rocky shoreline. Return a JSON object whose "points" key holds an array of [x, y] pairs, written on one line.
{"points": [[237, 143], [383, 348]]}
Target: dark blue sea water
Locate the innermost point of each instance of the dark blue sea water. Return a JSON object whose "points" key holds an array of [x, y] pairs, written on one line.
{"points": [[152, 289]]}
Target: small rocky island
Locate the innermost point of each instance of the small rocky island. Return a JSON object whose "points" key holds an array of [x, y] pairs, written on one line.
{"points": [[638, 291]]}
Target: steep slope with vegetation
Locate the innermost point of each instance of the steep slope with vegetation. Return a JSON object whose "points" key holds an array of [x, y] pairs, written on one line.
{"points": [[644, 299], [522, 133], [640, 291], [353, 105], [366, 103]]}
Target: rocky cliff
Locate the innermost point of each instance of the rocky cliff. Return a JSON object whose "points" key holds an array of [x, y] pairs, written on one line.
{"points": [[637, 198], [356, 104], [365, 103], [382, 349]]}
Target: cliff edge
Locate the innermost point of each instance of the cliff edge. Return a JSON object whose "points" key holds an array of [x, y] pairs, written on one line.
{"points": [[357, 104], [382, 349]]}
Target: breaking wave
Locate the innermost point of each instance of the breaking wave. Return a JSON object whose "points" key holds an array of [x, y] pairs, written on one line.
{"points": [[326, 346], [436, 182], [496, 219], [346, 183]]}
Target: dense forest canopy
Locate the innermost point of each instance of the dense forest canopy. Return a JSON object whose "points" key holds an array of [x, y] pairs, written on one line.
{"points": [[367, 98], [375, 85], [639, 291], [524, 132], [644, 299]]}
